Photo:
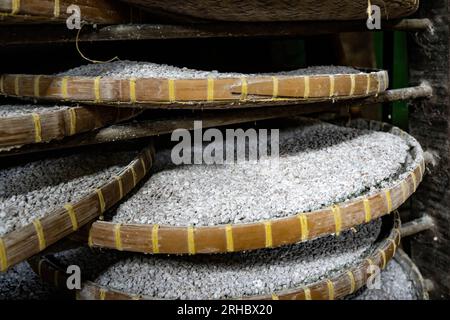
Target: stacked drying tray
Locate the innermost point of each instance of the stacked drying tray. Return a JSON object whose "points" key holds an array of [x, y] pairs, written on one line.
{"points": [[330, 180], [346, 178]]}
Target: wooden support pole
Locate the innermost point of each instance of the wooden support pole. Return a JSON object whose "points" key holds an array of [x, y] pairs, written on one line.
{"points": [[418, 225]]}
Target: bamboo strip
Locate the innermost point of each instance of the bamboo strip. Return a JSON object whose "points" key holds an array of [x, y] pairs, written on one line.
{"points": [[195, 93], [44, 11], [33, 128], [250, 236], [57, 224], [268, 11], [344, 283]]}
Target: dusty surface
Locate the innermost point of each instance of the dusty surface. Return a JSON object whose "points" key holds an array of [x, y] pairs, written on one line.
{"points": [[320, 164], [126, 69], [30, 191]]}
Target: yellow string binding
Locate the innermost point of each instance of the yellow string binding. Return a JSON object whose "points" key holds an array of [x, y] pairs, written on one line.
{"points": [[171, 84], [133, 173], [330, 286], [73, 218], [40, 234], [303, 226], [64, 90], [268, 232], [155, 240], [394, 247], [119, 182], [275, 86], [15, 7], [3, 256], [143, 166], [229, 237], [368, 84], [388, 200], [307, 89], [367, 210], [72, 121], [332, 80], [307, 292], [97, 90], [414, 179], [37, 87], [383, 257], [101, 200], [118, 237], [352, 85], [352, 282], [102, 294], [244, 89], [191, 240], [337, 219], [133, 90], [37, 127], [56, 9], [210, 90]]}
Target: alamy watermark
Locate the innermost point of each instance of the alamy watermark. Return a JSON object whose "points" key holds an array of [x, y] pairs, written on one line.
{"points": [[213, 146], [374, 17], [74, 20]]}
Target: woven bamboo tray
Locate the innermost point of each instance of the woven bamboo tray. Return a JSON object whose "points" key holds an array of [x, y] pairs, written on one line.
{"points": [[414, 273], [258, 10], [148, 238], [45, 11], [42, 127], [409, 270], [21, 244], [344, 283], [195, 93]]}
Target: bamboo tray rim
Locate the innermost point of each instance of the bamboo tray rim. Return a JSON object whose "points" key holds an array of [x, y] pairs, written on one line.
{"points": [[48, 125], [223, 238], [208, 91], [338, 286], [35, 237], [20, 11], [413, 273]]}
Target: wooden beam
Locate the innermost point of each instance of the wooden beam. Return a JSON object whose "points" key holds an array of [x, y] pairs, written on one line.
{"points": [[22, 34], [417, 225]]}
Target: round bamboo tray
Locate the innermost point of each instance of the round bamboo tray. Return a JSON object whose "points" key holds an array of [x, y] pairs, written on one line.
{"points": [[45, 11], [161, 239], [56, 124], [409, 270], [21, 244], [342, 284], [258, 10], [414, 274], [195, 93]]}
